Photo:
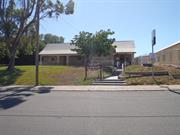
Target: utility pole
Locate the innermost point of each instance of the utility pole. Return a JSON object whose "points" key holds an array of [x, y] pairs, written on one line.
{"points": [[37, 45]]}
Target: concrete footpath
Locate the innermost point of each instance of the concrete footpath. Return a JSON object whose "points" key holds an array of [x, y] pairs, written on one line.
{"points": [[92, 88]]}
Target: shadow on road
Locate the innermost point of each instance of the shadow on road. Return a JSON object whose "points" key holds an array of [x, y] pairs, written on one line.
{"points": [[43, 90], [174, 91], [10, 102], [15, 89], [12, 97]]}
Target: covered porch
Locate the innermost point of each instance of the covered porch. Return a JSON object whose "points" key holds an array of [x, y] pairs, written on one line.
{"points": [[123, 58], [61, 60]]}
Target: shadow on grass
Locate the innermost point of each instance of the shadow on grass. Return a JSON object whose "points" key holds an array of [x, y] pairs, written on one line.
{"points": [[9, 77], [156, 81], [18, 95]]}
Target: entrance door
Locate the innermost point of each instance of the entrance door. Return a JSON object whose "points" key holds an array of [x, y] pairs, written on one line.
{"points": [[62, 60], [119, 59]]}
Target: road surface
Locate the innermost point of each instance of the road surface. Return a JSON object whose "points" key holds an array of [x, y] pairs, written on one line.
{"points": [[90, 113]]}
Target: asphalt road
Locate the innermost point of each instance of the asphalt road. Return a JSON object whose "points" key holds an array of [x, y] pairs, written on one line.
{"points": [[90, 113]]}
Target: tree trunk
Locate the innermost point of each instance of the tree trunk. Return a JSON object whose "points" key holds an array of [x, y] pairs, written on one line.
{"points": [[86, 68], [12, 49], [85, 76], [12, 59]]}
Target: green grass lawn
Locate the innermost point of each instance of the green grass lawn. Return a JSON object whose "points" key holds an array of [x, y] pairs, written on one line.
{"points": [[148, 80], [69, 75], [48, 75]]}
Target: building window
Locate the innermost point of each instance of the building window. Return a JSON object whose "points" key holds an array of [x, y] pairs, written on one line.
{"points": [[179, 54]]}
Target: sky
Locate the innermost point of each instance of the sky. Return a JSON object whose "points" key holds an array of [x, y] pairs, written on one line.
{"points": [[129, 19]]}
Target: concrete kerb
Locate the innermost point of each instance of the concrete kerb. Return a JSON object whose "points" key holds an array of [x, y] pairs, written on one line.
{"points": [[95, 88], [101, 88]]}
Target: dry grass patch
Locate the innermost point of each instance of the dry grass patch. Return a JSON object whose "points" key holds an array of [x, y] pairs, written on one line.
{"points": [[148, 80]]}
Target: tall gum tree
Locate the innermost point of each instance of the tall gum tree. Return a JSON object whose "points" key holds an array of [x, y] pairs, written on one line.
{"points": [[16, 16], [89, 45]]}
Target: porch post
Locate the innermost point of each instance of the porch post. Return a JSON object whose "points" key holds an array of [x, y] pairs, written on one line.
{"points": [[132, 58], [41, 60], [124, 63], [67, 60], [112, 61], [57, 60]]}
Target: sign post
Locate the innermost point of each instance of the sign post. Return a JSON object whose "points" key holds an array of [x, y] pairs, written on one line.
{"points": [[153, 56]]}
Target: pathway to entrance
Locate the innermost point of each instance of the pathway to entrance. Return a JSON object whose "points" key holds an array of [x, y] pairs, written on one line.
{"points": [[112, 80]]}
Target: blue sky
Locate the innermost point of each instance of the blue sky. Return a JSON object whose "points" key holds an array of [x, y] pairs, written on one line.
{"points": [[129, 19]]}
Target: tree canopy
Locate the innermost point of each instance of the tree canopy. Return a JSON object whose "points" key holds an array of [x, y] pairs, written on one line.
{"points": [[98, 44], [17, 17], [89, 45], [50, 38]]}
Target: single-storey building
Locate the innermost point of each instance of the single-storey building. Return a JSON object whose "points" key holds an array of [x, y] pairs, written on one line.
{"points": [[145, 59], [169, 55], [62, 54]]}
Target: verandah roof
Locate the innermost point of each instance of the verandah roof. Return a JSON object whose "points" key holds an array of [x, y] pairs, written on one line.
{"points": [[65, 48]]}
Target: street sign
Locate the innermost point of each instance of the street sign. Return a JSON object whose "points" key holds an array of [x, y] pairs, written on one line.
{"points": [[152, 55], [153, 37]]}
